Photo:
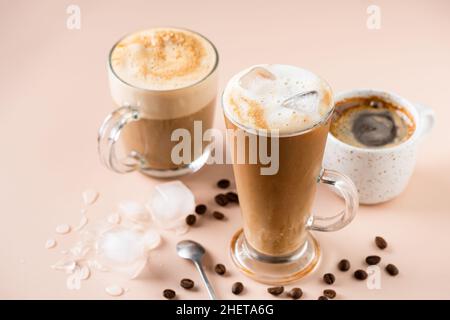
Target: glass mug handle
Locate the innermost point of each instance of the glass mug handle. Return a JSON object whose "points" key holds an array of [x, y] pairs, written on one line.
{"points": [[347, 189], [109, 134]]}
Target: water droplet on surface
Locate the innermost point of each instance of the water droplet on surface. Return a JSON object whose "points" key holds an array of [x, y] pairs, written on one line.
{"points": [[114, 218], [63, 229], [83, 222], [84, 273], [114, 290], [50, 243], [90, 196]]}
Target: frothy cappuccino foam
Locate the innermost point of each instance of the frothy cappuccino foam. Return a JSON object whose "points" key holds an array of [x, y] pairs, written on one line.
{"points": [[166, 73], [275, 96], [163, 58]]}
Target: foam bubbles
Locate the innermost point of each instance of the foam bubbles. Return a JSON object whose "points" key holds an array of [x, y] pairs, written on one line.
{"points": [[271, 97], [163, 58]]}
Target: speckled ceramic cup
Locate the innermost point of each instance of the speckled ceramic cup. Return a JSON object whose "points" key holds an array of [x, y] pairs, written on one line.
{"points": [[380, 174]]}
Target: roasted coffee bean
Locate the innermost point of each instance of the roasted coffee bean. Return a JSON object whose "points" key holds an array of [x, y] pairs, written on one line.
{"points": [[372, 260], [344, 265], [329, 293], [221, 199], [295, 293], [190, 219], [329, 278], [392, 270], [381, 243], [169, 294], [276, 291], [218, 215], [220, 269], [232, 197], [200, 209], [360, 274], [237, 287], [322, 298], [187, 283], [223, 183]]}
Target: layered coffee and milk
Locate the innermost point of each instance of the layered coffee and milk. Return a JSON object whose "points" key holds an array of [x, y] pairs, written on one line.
{"points": [[296, 105], [169, 75]]}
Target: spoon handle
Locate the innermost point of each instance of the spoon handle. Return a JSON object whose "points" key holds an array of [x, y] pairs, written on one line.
{"points": [[210, 289]]}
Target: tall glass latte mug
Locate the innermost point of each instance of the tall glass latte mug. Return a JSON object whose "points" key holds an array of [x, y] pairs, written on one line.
{"points": [[161, 79], [275, 245]]}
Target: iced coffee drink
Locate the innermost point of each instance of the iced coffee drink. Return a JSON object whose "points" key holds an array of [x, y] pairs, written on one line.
{"points": [[293, 106]]}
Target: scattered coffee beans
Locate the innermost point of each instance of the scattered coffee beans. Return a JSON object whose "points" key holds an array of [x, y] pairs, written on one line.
{"points": [[218, 215], [381, 243], [200, 209], [392, 270], [329, 293], [360, 274], [232, 197], [372, 260], [190, 219], [237, 287], [221, 199], [223, 183], [329, 278], [220, 269], [322, 298], [295, 293], [276, 291], [344, 265], [187, 283], [169, 294]]}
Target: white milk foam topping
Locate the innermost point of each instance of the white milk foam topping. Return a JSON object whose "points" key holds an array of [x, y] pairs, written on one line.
{"points": [[277, 97], [163, 58], [166, 73]]}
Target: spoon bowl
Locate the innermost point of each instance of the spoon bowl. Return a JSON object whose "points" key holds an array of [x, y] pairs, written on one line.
{"points": [[191, 250]]}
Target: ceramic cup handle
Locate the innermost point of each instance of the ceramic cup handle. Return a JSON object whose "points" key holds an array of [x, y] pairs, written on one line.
{"points": [[345, 186], [426, 118], [109, 134]]}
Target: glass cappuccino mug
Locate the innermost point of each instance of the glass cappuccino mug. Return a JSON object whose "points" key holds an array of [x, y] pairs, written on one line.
{"points": [[291, 107], [161, 79]]}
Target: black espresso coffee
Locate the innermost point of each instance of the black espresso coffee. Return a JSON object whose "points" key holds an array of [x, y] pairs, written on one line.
{"points": [[371, 122]]}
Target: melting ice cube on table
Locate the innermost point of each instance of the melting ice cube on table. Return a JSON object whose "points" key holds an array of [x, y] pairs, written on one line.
{"points": [[120, 246], [169, 205], [151, 239], [125, 250], [134, 211], [305, 102]]}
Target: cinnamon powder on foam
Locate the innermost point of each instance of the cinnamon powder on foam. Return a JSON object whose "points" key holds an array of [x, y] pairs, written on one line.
{"points": [[255, 112], [167, 55]]}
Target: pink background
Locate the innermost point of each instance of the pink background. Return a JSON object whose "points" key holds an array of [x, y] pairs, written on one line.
{"points": [[54, 95]]}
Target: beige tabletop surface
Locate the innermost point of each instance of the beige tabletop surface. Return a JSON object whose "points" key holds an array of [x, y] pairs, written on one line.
{"points": [[54, 95]]}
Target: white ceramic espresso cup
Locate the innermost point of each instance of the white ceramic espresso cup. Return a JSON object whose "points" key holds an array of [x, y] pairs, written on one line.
{"points": [[380, 174]]}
